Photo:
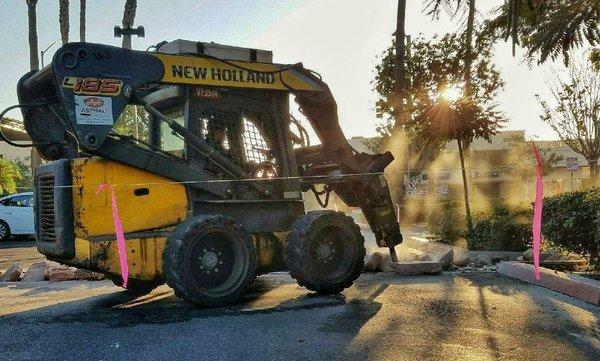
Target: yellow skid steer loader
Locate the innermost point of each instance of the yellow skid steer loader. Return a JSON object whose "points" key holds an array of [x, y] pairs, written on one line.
{"points": [[212, 194]]}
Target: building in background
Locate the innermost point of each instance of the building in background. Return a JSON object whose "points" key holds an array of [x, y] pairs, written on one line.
{"points": [[497, 171]]}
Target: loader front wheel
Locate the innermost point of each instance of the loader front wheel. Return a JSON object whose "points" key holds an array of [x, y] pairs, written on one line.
{"points": [[325, 251], [210, 261]]}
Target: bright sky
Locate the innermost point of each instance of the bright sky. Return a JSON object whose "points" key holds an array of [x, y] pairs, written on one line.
{"points": [[338, 38]]}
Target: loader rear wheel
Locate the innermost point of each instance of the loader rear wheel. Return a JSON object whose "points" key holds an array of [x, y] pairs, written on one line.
{"points": [[210, 261], [325, 251]]}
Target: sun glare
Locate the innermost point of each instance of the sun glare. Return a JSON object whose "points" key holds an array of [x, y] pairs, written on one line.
{"points": [[451, 93]]}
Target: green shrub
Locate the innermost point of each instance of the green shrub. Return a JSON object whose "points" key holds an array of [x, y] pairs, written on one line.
{"points": [[447, 222], [572, 221], [504, 228]]}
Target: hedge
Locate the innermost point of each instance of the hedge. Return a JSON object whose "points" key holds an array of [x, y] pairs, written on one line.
{"points": [[504, 228], [572, 221]]}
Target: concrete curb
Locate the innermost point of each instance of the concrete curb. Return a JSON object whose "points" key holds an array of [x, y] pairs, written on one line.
{"points": [[575, 286]]}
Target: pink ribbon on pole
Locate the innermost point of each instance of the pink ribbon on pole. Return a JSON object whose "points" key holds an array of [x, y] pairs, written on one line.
{"points": [[537, 211], [119, 232]]}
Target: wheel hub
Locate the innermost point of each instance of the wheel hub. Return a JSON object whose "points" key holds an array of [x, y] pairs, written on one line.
{"points": [[2, 230], [209, 259], [325, 251]]}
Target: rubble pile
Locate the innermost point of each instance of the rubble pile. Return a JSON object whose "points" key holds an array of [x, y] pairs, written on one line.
{"points": [[417, 256], [47, 271]]}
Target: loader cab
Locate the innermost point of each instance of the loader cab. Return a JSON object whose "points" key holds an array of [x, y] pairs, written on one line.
{"points": [[251, 128]]}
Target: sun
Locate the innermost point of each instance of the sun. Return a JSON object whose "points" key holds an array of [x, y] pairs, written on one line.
{"points": [[451, 93]]}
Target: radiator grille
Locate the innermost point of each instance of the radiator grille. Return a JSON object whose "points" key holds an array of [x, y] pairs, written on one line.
{"points": [[47, 212]]}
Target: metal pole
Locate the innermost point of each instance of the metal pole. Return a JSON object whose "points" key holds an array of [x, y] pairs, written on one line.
{"points": [[135, 121], [44, 52]]}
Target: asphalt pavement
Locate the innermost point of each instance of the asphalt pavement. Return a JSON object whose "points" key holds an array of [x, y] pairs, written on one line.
{"points": [[454, 316], [20, 250]]}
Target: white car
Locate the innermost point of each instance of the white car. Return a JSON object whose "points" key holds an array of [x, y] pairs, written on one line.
{"points": [[16, 215]]}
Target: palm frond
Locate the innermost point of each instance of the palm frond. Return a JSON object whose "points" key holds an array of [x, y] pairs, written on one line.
{"points": [[453, 8], [549, 31]]}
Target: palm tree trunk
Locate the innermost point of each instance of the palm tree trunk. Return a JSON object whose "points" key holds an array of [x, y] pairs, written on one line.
{"points": [[35, 158], [399, 63], [469, 47], [63, 20], [33, 40], [128, 18], [82, 8], [465, 188]]}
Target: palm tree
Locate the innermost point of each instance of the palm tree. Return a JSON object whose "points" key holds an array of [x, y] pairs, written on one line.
{"points": [[33, 40], [458, 8], [469, 47], [36, 160], [82, 20], [399, 64], [547, 29], [63, 20], [128, 17]]}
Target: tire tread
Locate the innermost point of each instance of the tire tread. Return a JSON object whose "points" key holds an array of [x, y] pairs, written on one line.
{"points": [[296, 250], [173, 258]]}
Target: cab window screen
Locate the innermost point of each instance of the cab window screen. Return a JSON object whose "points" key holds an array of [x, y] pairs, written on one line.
{"points": [[134, 122], [256, 148], [170, 142]]}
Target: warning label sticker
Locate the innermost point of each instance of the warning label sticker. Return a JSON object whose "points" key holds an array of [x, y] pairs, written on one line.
{"points": [[93, 110]]}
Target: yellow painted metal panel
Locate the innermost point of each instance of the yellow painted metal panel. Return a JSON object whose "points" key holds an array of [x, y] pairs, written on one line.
{"points": [[144, 256], [204, 71], [164, 205]]}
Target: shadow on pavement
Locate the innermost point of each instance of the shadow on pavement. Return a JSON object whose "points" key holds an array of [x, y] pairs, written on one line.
{"points": [[469, 316], [476, 316], [18, 242], [121, 309], [358, 312], [558, 326]]}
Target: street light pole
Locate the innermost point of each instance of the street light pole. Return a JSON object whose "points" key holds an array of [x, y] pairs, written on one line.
{"points": [[126, 32], [44, 52]]}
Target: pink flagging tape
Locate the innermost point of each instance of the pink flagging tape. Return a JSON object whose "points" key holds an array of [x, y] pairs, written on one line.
{"points": [[119, 233], [537, 211]]}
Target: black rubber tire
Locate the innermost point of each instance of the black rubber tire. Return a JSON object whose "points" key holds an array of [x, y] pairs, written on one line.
{"points": [[302, 259], [137, 287], [7, 234], [182, 266]]}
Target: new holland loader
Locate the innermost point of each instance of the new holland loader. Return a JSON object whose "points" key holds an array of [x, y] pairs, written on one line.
{"points": [[212, 194]]}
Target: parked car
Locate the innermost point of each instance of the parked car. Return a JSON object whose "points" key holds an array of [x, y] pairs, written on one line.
{"points": [[16, 215]]}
